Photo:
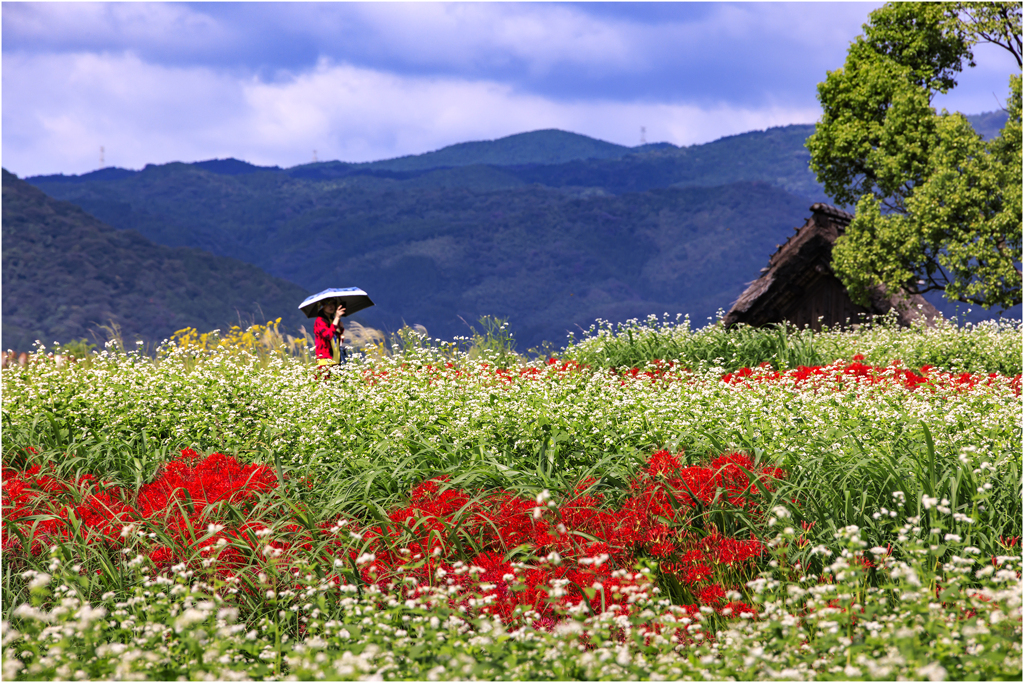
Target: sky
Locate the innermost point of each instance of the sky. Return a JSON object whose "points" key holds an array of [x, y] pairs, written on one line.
{"points": [[277, 83]]}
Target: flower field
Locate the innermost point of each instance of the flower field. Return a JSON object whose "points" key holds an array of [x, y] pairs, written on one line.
{"points": [[656, 502]]}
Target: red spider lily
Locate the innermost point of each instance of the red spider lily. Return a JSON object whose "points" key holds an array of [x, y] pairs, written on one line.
{"points": [[99, 509], [209, 480], [711, 595], [737, 609], [104, 510], [582, 550], [859, 372]]}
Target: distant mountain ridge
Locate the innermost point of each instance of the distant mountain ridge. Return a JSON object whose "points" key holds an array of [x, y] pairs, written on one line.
{"points": [[536, 147], [540, 147]]}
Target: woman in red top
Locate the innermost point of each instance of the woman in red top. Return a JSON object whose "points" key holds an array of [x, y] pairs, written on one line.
{"points": [[327, 331]]}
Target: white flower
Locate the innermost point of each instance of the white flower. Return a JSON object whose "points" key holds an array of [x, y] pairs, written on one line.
{"points": [[38, 579], [27, 611], [88, 614], [228, 614], [188, 618], [933, 672]]}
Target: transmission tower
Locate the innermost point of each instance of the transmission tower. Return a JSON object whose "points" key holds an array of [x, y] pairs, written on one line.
{"points": [[102, 163], [314, 156], [643, 135]]}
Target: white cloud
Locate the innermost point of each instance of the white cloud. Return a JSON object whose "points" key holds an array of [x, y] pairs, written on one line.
{"points": [[73, 26], [480, 34], [69, 105], [365, 115], [59, 110]]}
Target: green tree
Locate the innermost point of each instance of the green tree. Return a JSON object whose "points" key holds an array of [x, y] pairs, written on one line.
{"points": [[937, 207]]}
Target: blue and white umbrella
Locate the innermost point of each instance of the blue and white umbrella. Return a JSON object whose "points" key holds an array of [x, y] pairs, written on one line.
{"points": [[354, 299]]}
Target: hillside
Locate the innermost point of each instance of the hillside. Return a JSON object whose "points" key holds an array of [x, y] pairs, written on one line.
{"points": [[988, 124], [65, 273]]}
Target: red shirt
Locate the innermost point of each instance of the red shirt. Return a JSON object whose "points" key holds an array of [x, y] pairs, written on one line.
{"points": [[323, 334]]}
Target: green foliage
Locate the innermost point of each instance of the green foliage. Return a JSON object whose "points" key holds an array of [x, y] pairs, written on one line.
{"points": [[938, 208], [986, 347], [494, 344], [78, 348], [637, 344]]}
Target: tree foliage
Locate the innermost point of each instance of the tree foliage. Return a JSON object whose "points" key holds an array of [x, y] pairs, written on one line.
{"points": [[937, 207]]}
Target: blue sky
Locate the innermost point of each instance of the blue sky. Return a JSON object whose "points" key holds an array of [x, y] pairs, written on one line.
{"points": [[271, 82]]}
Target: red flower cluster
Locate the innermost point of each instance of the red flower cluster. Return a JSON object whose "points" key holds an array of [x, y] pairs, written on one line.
{"points": [[196, 482], [579, 544], [858, 372], [178, 495], [657, 369], [580, 551]]}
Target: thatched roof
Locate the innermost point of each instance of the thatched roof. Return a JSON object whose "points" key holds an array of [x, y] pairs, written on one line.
{"points": [[798, 284]]}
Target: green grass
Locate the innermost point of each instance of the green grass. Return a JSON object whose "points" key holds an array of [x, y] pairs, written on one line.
{"points": [[932, 473], [993, 346]]}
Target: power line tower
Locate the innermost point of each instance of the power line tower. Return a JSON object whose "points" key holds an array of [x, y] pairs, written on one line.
{"points": [[643, 135], [314, 156], [102, 162]]}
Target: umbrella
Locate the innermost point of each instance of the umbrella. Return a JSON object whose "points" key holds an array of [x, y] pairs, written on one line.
{"points": [[354, 299]]}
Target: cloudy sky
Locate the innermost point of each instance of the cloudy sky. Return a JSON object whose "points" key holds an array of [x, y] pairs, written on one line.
{"points": [[272, 82]]}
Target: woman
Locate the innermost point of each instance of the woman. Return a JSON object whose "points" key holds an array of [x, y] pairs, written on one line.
{"points": [[327, 331]]}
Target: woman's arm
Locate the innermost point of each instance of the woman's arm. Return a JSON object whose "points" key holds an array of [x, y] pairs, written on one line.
{"points": [[339, 329]]}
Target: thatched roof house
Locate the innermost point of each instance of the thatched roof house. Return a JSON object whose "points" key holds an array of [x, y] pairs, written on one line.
{"points": [[798, 284]]}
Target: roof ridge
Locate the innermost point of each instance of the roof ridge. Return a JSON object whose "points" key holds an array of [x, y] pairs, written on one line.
{"points": [[831, 211]]}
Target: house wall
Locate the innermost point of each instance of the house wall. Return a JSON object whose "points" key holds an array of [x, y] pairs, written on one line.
{"points": [[824, 301]]}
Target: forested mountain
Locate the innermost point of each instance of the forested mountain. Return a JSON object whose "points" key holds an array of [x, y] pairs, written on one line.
{"points": [[547, 260], [549, 228], [65, 274]]}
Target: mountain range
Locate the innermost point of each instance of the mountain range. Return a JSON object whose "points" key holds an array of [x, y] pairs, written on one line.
{"points": [[549, 229]]}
